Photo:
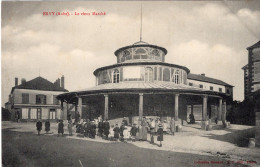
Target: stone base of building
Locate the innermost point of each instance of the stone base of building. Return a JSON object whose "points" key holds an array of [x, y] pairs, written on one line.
{"points": [[219, 122]]}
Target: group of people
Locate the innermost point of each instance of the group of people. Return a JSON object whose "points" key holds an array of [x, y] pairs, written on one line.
{"points": [[138, 131]]}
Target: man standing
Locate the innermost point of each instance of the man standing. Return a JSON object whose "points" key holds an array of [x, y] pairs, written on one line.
{"points": [[100, 127], [47, 126], [39, 126], [60, 128], [106, 129]]}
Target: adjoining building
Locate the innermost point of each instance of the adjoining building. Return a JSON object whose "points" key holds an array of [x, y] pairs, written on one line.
{"points": [[252, 70], [141, 84], [36, 99]]}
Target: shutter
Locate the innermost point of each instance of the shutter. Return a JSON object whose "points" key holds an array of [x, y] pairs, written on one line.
{"points": [[121, 74]]}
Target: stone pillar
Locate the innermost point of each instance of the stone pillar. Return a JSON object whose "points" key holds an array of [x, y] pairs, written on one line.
{"points": [[176, 107], [80, 107], [204, 112], [106, 107], [141, 103], [223, 117], [219, 112]]}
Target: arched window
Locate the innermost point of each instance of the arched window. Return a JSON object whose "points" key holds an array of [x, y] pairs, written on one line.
{"points": [[176, 77], [116, 76], [148, 74], [166, 74]]}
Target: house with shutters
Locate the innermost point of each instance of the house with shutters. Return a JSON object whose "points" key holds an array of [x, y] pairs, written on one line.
{"points": [[36, 99]]}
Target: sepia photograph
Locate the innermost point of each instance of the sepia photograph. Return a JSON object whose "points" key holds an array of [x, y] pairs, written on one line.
{"points": [[130, 83]]}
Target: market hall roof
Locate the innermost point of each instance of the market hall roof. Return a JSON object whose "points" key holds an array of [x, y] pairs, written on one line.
{"points": [[39, 83], [199, 77], [136, 87], [140, 44], [140, 63], [256, 45]]}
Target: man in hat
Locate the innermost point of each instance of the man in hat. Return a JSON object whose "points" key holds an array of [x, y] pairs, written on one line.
{"points": [[100, 127], [133, 132], [47, 126], [122, 128], [152, 130], [160, 134], [39, 126], [60, 128], [70, 125]]}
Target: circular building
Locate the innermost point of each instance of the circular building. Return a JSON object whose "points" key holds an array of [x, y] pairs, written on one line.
{"points": [[142, 84]]}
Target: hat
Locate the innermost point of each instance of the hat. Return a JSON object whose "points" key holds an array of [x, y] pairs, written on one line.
{"points": [[164, 121], [160, 125], [134, 123]]}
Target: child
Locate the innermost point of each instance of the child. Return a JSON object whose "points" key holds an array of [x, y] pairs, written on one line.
{"points": [[111, 132], [117, 131], [47, 126], [60, 128], [133, 132], [160, 134]]}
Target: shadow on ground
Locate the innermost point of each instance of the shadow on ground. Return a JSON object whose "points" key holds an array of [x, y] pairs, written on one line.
{"points": [[238, 137]]}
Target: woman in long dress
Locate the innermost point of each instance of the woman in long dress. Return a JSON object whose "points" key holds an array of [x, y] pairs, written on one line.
{"points": [[143, 132]]}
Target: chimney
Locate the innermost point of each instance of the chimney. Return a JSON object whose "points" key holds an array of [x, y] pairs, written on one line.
{"points": [[62, 82], [203, 74], [16, 81], [23, 80]]}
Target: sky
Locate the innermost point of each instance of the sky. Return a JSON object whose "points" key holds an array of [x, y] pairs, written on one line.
{"points": [[208, 37]]}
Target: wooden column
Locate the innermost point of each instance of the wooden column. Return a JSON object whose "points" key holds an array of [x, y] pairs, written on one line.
{"points": [[205, 108], [219, 111], [106, 107], [80, 107], [176, 107], [141, 103]]}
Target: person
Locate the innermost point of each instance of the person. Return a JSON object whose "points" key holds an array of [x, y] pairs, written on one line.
{"points": [[106, 129], [39, 126], [125, 121], [122, 128], [87, 128], [133, 132], [165, 126], [143, 133], [152, 130], [172, 126], [111, 133], [192, 119], [60, 128], [47, 126], [100, 127], [70, 125], [160, 134], [77, 117], [116, 132], [92, 130]]}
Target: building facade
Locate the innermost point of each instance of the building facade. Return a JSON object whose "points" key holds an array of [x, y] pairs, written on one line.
{"points": [[252, 70], [36, 99], [141, 84]]}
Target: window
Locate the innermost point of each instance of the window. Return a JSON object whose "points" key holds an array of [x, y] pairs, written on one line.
{"points": [[190, 84], [116, 76], [25, 98], [148, 74], [176, 77], [40, 99], [52, 114], [166, 74], [33, 114], [228, 92], [201, 86], [220, 89], [211, 87], [55, 100]]}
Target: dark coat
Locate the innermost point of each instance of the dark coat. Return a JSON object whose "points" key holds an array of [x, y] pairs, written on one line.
{"points": [[133, 131], [106, 128], [100, 127], [39, 126], [117, 131], [47, 126], [160, 134], [122, 128], [61, 127]]}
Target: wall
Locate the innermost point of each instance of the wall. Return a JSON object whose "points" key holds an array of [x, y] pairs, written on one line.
{"points": [[207, 85], [32, 95]]}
